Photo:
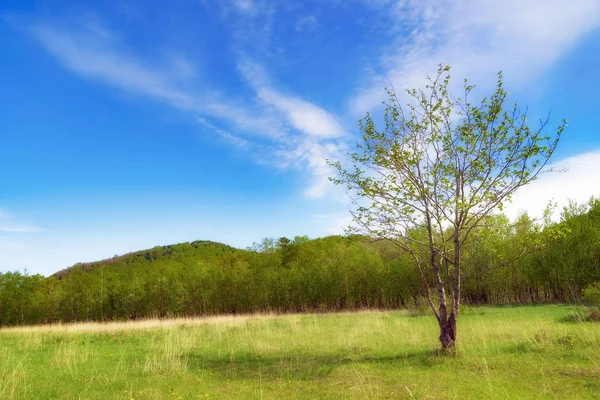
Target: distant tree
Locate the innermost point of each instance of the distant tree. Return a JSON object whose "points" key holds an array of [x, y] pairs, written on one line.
{"points": [[283, 242], [438, 168], [268, 245]]}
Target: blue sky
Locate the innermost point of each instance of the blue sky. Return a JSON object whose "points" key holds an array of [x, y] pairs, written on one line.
{"points": [[130, 124]]}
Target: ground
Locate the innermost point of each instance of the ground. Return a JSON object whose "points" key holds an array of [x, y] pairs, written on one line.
{"points": [[527, 352]]}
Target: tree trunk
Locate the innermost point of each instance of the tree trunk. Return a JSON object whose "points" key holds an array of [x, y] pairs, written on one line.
{"points": [[448, 333]]}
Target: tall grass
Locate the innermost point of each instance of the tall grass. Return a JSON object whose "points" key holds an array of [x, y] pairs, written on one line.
{"points": [[518, 352]]}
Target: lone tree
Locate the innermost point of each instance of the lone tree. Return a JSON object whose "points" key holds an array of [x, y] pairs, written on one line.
{"points": [[429, 179]]}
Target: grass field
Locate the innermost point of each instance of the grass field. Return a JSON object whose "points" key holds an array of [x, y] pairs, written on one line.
{"points": [[504, 353]]}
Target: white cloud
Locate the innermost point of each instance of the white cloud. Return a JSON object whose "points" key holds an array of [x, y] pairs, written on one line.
{"points": [[310, 154], [315, 155], [477, 38], [579, 182], [304, 116]]}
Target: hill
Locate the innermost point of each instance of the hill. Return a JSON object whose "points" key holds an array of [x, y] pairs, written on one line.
{"points": [[202, 249]]}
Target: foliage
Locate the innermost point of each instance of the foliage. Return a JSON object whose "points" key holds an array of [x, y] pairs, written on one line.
{"points": [[591, 294]]}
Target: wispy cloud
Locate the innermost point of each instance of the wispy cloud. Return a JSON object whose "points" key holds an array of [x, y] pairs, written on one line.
{"points": [[303, 116], [91, 55], [94, 53], [310, 154], [477, 38], [233, 139], [251, 24], [321, 135]]}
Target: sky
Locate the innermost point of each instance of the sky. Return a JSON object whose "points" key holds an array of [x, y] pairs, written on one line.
{"points": [[130, 124]]}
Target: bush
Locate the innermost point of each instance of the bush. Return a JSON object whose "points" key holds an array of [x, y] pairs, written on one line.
{"points": [[591, 294]]}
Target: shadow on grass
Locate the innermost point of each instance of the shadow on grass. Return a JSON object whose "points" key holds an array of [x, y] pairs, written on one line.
{"points": [[302, 367]]}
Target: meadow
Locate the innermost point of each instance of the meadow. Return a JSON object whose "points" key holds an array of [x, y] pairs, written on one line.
{"points": [[527, 352]]}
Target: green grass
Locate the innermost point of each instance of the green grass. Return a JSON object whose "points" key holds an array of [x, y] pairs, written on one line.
{"points": [[504, 353]]}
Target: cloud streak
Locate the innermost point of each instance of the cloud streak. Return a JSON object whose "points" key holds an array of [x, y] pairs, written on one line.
{"points": [[87, 54], [98, 57], [302, 115]]}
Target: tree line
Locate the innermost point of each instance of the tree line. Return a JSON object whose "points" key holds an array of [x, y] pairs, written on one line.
{"points": [[514, 262]]}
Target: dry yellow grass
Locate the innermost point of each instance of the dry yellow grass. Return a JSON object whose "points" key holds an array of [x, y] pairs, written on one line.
{"points": [[152, 323]]}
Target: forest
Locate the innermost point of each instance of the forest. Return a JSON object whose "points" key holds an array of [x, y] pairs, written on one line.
{"points": [[506, 262]]}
